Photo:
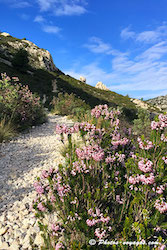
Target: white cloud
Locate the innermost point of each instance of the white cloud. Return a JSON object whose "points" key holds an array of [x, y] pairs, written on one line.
{"points": [[20, 4], [143, 73], [148, 36], [96, 45], [69, 10], [39, 19], [63, 7], [126, 33], [51, 29], [44, 4]]}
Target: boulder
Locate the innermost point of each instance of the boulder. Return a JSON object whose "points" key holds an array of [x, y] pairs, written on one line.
{"points": [[82, 79], [100, 85]]}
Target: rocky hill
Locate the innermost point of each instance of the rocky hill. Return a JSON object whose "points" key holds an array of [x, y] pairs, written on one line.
{"points": [[38, 58], [159, 102], [44, 78]]}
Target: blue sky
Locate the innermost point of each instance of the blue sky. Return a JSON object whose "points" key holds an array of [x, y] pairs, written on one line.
{"points": [[121, 43]]}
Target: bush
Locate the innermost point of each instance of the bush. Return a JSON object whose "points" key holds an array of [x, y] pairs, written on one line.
{"points": [[69, 104], [142, 123], [20, 60], [111, 188], [19, 104]]}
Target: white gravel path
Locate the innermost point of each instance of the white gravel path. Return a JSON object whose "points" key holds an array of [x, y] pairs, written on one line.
{"points": [[21, 161]]}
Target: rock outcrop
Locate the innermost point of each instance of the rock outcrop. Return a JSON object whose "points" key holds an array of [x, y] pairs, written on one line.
{"points": [[38, 58], [82, 79], [140, 103], [5, 34], [160, 102], [100, 85]]}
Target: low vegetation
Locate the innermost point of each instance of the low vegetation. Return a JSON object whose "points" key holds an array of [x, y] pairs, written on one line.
{"points": [[19, 108], [113, 187], [69, 104], [7, 130]]}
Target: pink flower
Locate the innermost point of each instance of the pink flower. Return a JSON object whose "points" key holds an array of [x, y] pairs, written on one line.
{"points": [[55, 228], [161, 206], [99, 233], [88, 152], [41, 207], [162, 247], [160, 190], [39, 189], [164, 138], [145, 145], [164, 159], [90, 223], [145, 165], [44, 174], [58, 246]]}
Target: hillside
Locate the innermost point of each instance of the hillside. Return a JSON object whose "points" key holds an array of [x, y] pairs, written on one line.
{"points": [[160, 102], [44, 78]]}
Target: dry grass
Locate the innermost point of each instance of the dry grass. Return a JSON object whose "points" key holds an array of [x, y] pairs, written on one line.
{"points": [[6, 130]]}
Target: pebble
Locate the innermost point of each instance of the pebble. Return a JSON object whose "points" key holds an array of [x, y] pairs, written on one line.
{"points": [[21, 162]]}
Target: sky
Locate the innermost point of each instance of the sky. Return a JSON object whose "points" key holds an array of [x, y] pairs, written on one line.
{"points": [[122, 43]]}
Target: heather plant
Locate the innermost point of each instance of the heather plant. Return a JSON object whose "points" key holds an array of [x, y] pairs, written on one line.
{"points": [[69, 104], [111, 188], [17, 103]]}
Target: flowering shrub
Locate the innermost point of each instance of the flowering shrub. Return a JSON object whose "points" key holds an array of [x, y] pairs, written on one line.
{"points": [[18, 103], [110, 189]]}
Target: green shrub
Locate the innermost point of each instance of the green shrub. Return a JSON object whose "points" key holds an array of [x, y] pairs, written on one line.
{"points": [[142, 123], [20, 60], [69, 104], [18, 102]]}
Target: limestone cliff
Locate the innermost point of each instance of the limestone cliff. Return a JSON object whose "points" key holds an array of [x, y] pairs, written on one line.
{"points": [[38, 58]]}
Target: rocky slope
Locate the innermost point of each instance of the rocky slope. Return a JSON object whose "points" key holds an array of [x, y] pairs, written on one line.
{"points": [[47, 80], [38, 58], [160, 102]]}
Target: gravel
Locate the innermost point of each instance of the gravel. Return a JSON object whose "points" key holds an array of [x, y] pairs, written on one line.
{"points": [[21, 161]]}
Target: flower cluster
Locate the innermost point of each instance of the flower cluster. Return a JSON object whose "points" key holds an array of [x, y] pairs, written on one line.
{"points": [[100, 233], [142, 178], [164, 138], [90, 152], [120, 158], [116, 140], [102, 110], [80, 167], [99, 217], [41, 207], [145, 165], [164, 158], [38, 187], [161, 124], [20, 102], [60, 129], [161, 205], [160, 189], [62, 189], [145, 144]]}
